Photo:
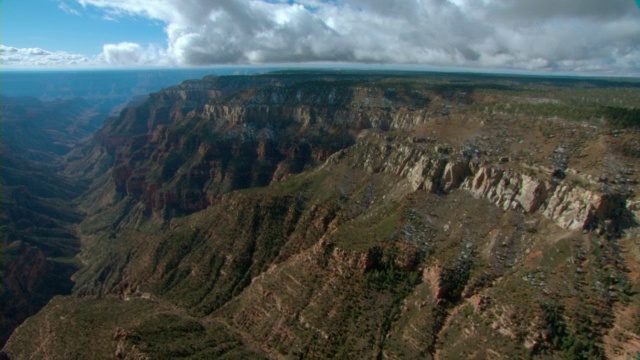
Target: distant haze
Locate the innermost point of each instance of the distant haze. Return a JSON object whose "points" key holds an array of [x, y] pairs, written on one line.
{"points": [[117, 84]]}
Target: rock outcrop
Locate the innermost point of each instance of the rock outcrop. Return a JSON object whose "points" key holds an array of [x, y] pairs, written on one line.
{"points": [[188, 144], [570, 206]]}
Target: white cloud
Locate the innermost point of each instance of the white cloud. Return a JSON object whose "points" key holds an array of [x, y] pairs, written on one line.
{"points": [[132, 54], [13, 57], [545, 35], [541, 35], [122, 54], [67, 8]]}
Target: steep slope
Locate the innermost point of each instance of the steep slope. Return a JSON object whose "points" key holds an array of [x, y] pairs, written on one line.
{"points": [[38, 242], [41, 130], [189, 145], [328, 215]]}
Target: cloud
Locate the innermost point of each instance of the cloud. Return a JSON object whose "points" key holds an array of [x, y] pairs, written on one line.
{"points": [[518, 10], [36, 57], [542, 35], [122, 54], [132, 54], [67, 8]]}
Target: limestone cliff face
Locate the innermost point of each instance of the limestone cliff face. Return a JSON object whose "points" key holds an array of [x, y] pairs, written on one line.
{"points": [[188, 144], [346, 105], [569, 205]]}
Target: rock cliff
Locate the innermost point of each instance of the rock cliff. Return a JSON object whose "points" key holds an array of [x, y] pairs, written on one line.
{"points": [[350, 215], [528, 189]]}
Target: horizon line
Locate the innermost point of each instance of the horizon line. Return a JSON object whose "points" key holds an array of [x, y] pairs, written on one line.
{"points": [[329, 67]]}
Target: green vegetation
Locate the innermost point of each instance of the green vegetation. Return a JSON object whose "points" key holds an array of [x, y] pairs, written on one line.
{"points": [[167, 336], [75, 328], [622, 117], [370, 229]]}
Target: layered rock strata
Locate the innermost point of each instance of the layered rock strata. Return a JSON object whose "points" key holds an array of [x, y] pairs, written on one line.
{"points": [[570, 206]]}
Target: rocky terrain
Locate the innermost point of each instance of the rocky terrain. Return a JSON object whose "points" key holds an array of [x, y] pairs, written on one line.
{"points": [[38, 243], [356, 215]]}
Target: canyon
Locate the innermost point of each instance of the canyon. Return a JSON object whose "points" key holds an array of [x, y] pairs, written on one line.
{"points": [[319, 214]]}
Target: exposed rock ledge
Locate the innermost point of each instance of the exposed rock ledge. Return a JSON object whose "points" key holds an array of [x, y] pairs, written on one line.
{"points": [[569, 205]]}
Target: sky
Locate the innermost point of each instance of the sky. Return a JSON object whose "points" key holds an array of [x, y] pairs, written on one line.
{"points": [[599, 37]]}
